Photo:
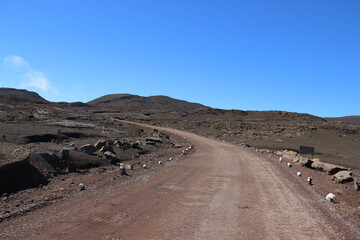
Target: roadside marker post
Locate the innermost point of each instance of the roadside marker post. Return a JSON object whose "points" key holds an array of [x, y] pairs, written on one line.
{"points": [[122, 169]]}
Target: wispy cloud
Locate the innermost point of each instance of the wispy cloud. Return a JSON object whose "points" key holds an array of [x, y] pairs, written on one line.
{"points": [[36, 80], [31, 78], [15, 61]]}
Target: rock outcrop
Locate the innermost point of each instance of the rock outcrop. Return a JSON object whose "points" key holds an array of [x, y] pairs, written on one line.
{"points": [[326, 167], [88, 148], [100, 143], [111, 156], [106, 149], [305, 162], [357, 183], [342, 177], [152, 140]]}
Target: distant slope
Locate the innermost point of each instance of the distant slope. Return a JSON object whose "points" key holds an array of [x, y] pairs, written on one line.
{"points": [[129, 101], [21, 94], [348, 119], [250, 116]]}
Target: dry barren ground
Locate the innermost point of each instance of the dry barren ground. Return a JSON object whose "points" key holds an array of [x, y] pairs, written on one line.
{"points": [[221, 191]]}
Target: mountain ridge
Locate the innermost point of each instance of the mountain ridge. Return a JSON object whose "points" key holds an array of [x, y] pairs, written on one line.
{"points": [[348, 119], [21, 94], [125, 101], [158, 102]]}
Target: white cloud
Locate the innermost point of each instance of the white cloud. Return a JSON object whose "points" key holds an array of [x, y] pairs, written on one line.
{"points": [[15, 61], [31, 78], [36, 80]]}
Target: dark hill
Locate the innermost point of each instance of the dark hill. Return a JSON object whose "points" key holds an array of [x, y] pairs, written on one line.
{"points": [[21, 94], [348, 119], [127, 101]]}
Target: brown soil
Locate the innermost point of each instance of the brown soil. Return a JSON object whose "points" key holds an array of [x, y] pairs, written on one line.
{"points": [[334, 142], [218, 190], [221, 191]]}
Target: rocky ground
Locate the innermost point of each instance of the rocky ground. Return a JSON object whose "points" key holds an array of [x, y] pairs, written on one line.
{"points": [[48, 149], [334, 142], [220, 191]]}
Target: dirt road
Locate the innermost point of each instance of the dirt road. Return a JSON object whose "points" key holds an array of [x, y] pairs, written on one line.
{"points": [[222, 191]]}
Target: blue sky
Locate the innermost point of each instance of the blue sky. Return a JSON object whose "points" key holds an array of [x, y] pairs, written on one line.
{"points": [[299, 56]]}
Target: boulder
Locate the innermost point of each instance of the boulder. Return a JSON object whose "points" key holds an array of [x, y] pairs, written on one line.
{"points": [[342, 177], [20, 175], [20, 154], [357, 183], [136, 145], [291, 157], [100, 143], [296, 159], [326, 167], [71, 146], [48, 164], [88, 148], [122, 144], [129, 166], [283, 152], [305, 162], [64, 154], [81, 160], [106, 149], [153, 139], [289, 135], [111, 156]]}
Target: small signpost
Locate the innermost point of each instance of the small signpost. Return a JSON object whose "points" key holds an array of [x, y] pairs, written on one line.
{"points": [[307, 150]]}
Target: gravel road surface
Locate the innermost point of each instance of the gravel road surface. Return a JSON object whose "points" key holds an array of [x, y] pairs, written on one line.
{"points": [[221, 191]]}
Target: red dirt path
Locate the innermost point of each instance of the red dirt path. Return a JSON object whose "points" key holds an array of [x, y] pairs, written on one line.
{"points": [[222, 191]]}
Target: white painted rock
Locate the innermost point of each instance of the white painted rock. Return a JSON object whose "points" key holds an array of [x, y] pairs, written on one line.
{"points": [[160, 162], [309, 180], [331, 197], [289, 165], [298, 174]]}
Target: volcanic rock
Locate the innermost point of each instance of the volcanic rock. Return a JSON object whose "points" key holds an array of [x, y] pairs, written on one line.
{"points": [[327, 167], [342, 177], [357, 183], [153, 139], [100, 143], [305, 162], [106, 149], [88, 148]]}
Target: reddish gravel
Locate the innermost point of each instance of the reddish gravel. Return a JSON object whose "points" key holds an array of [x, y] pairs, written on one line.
{"points": [[222, 191]]}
